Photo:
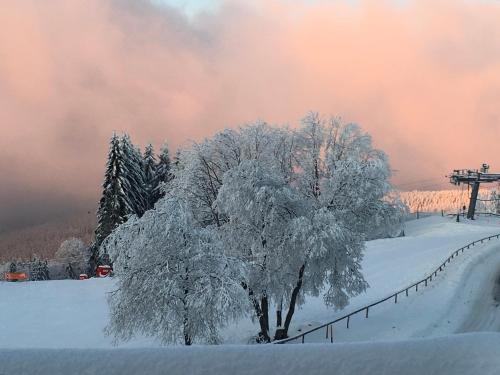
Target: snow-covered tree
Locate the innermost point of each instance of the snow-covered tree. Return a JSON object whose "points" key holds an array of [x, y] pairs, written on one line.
{"points": [[73, 250], [163, 173], [136, 192], [494, 202], [123, 190], [114, 206], [292, 207], [75, 254], [38, 269], [261, 208], [150, 176], [175, 281]]}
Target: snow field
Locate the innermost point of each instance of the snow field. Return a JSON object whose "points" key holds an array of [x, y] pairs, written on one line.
{"points": [[73, 314], [37, 316]]}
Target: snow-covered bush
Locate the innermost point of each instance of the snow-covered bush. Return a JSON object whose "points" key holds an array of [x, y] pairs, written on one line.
{"points": [[292, 208]]}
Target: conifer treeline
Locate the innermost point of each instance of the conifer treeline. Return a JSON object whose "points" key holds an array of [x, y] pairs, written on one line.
{"points": [[132, 185]]}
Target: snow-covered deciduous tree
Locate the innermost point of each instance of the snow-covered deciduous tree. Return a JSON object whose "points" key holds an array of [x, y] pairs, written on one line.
{"points": [[261, 208], [73, 250], [75, 254], [292, 208], [175, 280]]}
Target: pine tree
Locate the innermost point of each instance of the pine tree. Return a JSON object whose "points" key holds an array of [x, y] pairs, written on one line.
{"points": [[163, 173], [123, 191], [38, 269], [150, 176], [135, 191], [113, 206]]}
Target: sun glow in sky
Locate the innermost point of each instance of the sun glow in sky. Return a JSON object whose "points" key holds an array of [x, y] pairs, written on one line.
{"points": [[423, 79], [192, 7]]}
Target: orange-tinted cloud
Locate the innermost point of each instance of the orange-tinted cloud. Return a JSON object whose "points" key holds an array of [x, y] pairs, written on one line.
{"points": [[422, 76]]}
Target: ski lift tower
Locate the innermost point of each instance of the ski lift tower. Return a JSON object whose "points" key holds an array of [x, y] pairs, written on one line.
{"points": [[473, 178]]}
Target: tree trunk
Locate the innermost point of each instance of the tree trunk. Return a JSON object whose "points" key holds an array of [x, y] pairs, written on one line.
{"points": [[187, 337], [264, 303], [283, 332], [279, 319], [263, 317]]}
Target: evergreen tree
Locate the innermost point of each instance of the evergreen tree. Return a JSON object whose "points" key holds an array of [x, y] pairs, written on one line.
{"points": [[38, 269], [163, 173], [150, 176], [134, 175], [113, 206]]}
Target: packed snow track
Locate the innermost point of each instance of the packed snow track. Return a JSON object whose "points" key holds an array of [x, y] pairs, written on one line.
{"points": [[484, 302]]}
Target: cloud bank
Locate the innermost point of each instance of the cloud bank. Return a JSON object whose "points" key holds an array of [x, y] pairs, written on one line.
{"points": [[423, 77]]}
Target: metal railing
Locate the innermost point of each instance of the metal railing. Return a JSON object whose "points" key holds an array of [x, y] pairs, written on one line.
{"points": [[366, 309]]}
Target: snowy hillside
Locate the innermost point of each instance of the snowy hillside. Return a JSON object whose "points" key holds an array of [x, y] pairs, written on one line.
{"points": [[461, 299], [389, 264]]}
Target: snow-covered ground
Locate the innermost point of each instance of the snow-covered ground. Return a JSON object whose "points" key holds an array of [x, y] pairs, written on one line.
{"points": [[73, 314], [469, 354], [463, 298]]}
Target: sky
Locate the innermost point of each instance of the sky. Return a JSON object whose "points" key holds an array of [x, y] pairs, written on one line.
{"points": [[423, 77]]}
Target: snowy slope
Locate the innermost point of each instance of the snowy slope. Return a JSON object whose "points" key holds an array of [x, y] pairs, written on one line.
{"points": [[62, 314], [470, 354], [392, 264]]}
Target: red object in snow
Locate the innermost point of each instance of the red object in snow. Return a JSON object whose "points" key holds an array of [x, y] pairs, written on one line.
{"points": [[103, 271], [16, 276], [83, 276]]}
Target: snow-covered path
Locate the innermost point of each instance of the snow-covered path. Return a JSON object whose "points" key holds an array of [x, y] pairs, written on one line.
{"points": [[484, 298]]}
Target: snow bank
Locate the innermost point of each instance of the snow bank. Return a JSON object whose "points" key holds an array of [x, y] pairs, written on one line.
{"points": [[458, 355]]}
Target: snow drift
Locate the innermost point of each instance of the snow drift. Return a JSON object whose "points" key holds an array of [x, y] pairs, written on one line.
{"points": [[460, 354]]}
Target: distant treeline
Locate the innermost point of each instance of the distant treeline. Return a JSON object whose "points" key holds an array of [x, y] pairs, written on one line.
{"points": [[449, 200], [45, 239]]}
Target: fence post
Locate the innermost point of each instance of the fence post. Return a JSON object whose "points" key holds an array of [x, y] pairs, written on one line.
{"points": [[406, 292], [327, 332], [331, 334], [303, 339], [367, 312], [425, 282], [348, 317], [416, 287], [396, 298]]}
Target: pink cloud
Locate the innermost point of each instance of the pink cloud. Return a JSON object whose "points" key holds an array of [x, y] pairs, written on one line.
{"points": [[423, 78]]}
